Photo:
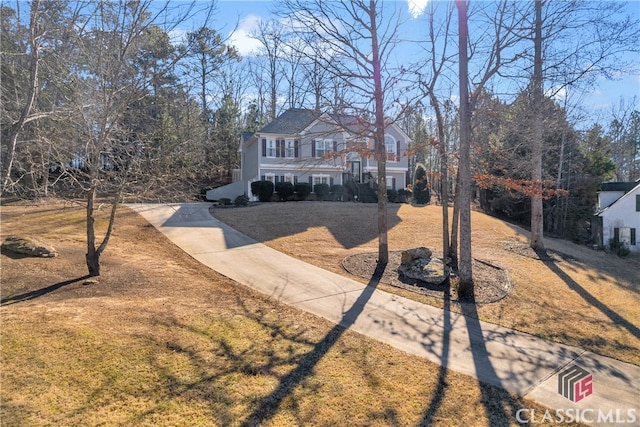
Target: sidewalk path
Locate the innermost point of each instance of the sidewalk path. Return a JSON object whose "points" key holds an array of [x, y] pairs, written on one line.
{"points": [[518, 362]]}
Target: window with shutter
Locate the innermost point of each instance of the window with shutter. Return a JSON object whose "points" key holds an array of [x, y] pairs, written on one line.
{"points": [[290, 149]]}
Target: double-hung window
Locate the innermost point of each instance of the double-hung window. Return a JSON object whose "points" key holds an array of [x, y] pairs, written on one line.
{"points": [[392, 149], [271, 148], [323, 147], [289, 148], [320, 179]]}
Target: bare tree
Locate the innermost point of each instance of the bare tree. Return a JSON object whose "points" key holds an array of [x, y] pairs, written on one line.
{"points": [[429, 81], [271, 35], [359, 36], [109, 151]]}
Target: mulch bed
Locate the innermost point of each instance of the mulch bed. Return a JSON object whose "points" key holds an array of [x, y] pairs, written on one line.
{"points": [[491, 282]]}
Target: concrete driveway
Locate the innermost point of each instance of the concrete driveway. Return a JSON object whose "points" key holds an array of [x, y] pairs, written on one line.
{"points": [[600, 391]]}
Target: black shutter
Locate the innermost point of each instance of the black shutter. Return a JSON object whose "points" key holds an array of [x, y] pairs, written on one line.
{"points": [[393, 183], [311, 181], [638, 203], [313, 148], [633, 236], [295, 179], [282, 178], [264, 148], [282, 144], [397, 155], [331, 181], [335, 147], [296, 143], [275, 179], [616, 235]]}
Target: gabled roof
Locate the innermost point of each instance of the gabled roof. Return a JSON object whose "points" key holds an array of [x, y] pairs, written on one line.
{"points": [[291, 122], [618, 186], [630, 191]]}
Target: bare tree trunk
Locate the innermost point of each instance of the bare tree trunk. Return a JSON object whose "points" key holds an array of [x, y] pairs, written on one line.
{"points": [[455, 221], [537, 214], [465, 288], [381, 151], [93, 255], [32, 92]]}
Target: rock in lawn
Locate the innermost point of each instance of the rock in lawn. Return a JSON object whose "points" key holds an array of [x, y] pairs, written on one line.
{"points": [[28, 246]]}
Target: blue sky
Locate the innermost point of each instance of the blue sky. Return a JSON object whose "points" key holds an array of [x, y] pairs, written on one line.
{"points": [[247, 14]]}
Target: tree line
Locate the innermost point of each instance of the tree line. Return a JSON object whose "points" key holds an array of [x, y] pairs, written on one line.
{"points": [[112, 99]]}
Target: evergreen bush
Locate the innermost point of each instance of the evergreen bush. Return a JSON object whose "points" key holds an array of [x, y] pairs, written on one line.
{"points": [[302, 189], [284, 190], [265, 191], [321, 190]]}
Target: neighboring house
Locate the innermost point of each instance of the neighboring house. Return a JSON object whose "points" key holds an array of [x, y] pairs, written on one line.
{"points": [[618, 214], [309, 146]]}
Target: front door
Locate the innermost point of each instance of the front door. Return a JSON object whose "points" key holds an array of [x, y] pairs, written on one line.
{"points": [[355, 171]]}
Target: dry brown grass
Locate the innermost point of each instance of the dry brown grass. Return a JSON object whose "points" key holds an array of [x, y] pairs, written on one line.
{"points": [[162, 340], [590, 300]]}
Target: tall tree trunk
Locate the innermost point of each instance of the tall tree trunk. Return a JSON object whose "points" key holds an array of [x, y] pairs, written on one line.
{"points": [[465, 288], [381, 151], [455, 221], [93, 255], [32, 92], [537, 218]]}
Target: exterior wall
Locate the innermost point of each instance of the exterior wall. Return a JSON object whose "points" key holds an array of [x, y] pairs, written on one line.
{"points": [[606, 198], [249, 161], [622, 214], [395, 169]]}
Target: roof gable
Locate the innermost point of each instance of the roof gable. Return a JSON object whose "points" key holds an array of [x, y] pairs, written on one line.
{"points": [[291, 122], [634, 190]]}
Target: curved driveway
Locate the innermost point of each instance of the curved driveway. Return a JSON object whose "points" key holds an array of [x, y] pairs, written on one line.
{"points": [[518, 362]]}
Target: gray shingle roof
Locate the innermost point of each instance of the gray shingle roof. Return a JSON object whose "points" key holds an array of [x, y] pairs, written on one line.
{"points": [[291, 122]]}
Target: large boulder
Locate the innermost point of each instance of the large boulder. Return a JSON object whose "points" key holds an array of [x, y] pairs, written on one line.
{"points": [[418, 264], [28, 246]]}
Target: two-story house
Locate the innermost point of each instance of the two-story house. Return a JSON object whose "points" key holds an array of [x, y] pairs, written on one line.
{"points": [[309, 146]]}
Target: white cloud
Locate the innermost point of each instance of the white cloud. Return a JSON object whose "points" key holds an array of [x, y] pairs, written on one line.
{"points": [[416, 7], [241, 37]]}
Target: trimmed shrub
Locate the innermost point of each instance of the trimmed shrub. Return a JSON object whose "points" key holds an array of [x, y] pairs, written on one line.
{"points": [[321, 190], [265, 191], [284, 190], [392, 195], [224, 201], [241, 200], [302, 189], [404, 195], [337, 191], [255, 185], [421, 193]]}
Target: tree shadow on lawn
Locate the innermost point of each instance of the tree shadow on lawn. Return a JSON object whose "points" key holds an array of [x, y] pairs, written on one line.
{"points": [[269, 405], [26, 296], [279, 220], [575, 286]]}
